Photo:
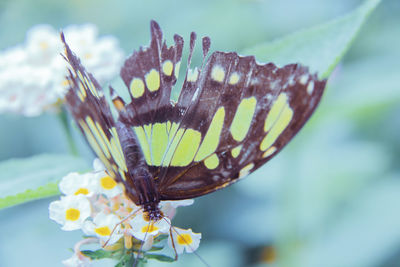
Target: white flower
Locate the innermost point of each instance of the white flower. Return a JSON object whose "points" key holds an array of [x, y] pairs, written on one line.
{"points": [[98, 165], [102, 227], [148, 243], [107, 185], [70, 211], [100, 56], [32, 75], [77, 261], [143, 229], [24, 89], [169, 207], [184, 240], [42, 44], [75, 184], [13, 57], [95, 203]]}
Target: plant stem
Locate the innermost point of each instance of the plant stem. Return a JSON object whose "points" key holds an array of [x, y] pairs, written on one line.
{"points": [[67, 129]]}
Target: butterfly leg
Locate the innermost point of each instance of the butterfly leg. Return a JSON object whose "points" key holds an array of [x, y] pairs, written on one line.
{"points": [[119, 223], [173, 243]]}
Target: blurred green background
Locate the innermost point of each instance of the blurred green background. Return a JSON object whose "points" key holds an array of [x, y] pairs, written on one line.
{"points": [[330, 198]]}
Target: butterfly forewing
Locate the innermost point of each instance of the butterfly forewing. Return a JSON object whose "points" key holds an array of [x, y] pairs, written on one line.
{"points": [[86, 102], [150, 74]]}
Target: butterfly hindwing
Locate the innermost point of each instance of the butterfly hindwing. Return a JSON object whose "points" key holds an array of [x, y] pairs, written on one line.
{"points": [[244, 113]]}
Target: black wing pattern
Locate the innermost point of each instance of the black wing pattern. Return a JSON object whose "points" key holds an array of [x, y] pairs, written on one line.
{"points": [[232, 116]]}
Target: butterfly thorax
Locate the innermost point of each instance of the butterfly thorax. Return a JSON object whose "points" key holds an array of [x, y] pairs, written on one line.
{"points": [[146, 191]]}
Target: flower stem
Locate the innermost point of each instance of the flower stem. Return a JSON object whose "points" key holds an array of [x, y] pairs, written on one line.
{"points": [[68, 131]]}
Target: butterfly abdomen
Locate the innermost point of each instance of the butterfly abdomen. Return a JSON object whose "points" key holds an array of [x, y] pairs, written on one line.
{"points": [[142, 188], [132, 152]]}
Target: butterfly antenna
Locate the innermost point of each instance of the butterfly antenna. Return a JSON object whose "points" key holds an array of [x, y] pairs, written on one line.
{"points": [[119, 223], [194, 252]]}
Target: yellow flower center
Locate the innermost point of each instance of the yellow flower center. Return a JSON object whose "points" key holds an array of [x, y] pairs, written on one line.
{"points": [[116, 206], [43, 45], [103, 231], [82, 191], [108, 182], [149, 228], [72, 214], [185, 239]]}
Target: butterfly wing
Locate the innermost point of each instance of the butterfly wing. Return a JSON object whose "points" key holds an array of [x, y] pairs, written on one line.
{"points": [[241, 116], [87, 104], [149, 75], [231, 117]]}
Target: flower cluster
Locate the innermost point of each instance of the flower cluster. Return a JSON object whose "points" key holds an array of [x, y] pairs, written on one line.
{"points": [[32, 75], [95, 203]]}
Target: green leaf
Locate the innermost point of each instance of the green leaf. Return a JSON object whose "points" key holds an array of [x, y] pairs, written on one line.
{"points": [[160, 257], [320, 47], [23, 180], [155, 248], [130, 260], [98, 254]]}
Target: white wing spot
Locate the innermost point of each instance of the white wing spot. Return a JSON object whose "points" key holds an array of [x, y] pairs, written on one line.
{"points": [[303, 79], [291, 81], [167, 67], [310, 88], [234, 78], [153, 80], [269, 152], [218, 74], [193, 74], [246, 170]]}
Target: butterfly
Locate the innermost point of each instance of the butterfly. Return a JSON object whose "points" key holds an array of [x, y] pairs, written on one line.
{"points": [[232, 116]]}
